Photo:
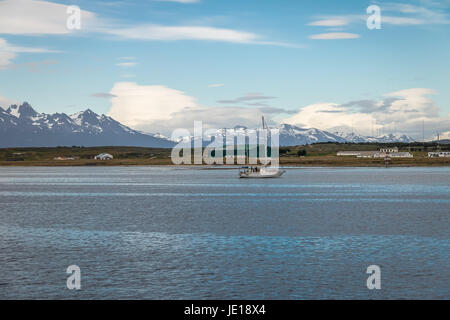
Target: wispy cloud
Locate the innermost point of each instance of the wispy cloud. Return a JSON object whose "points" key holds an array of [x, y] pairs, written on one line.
{"points": [[337, 22], [154, 32], [36, 17], [397, 14], [103, 95], [426, 15], [126, 64], [216, 85], [8, 52], [334, 36], [247, 98]]}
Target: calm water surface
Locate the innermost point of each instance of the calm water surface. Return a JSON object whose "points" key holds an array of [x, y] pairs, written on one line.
{"points": [[168, 233]]}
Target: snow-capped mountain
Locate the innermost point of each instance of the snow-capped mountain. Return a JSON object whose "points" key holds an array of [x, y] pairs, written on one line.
{"points": [[385, 138], [22, 126], [292, 136], [289, 135]]}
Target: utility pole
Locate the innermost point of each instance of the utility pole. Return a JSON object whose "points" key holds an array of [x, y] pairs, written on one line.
{"points": [[423, 132]]}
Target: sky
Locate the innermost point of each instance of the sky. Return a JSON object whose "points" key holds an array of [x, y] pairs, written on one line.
{"points": [[158, 65]]}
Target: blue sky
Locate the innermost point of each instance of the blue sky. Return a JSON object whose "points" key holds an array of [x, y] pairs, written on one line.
{"points": [[157, 65]]}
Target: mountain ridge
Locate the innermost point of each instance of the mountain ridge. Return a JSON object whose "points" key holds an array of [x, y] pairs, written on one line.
{"points": [[23, 126]]}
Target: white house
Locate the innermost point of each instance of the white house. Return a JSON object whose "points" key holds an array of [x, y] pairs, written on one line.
{"points": [[104, 156], [401, 155], [393, 152], [390, 150], [440, 154], [348, 153]]}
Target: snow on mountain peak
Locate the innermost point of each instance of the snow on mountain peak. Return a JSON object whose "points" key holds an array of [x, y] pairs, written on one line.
{"points": [[25, 127], [22, 111]]}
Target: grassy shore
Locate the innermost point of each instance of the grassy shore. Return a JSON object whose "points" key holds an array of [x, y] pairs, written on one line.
{"points": [[319, 155]]}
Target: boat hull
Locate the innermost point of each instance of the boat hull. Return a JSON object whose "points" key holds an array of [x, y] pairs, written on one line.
{"points": [[261, 175]]}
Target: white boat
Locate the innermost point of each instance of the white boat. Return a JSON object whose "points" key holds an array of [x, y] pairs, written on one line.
{"points": [[264, 172], [261, 172]]}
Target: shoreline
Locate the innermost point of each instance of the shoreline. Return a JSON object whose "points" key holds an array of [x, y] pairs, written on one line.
{"points": [[320, 161], [318, 155]]}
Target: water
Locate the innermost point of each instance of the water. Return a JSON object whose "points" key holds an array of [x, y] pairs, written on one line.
{"points": [[168, 233]]}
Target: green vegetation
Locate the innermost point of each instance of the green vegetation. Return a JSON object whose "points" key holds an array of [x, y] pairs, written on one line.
{"points": [[321, 154], [80, 155], [330, 149]]}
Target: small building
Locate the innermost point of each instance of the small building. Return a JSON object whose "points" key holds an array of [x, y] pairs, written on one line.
{"points": [[376, 154], [368, 154], [104, 156], [63, 158], [389, 150], [439, 154], [401, 155], [348, 153]]}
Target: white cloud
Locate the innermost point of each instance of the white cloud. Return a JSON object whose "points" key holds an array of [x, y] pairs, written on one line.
{"points": [[154, 108], [399, 14], [173, 33], [35, 17], [402, 111], [216, 85], [138, 105], [155, 32], [334, 36], [126, 64], [329, 116], [420, 13], [338, 22]]}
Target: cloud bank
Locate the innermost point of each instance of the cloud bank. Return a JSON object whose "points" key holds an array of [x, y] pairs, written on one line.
{"points": [[156, 108], [36, 17], [402, 111]]}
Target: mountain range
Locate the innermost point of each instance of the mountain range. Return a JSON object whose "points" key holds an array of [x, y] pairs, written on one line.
{"points": [[384, 138], [22, 126]]}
